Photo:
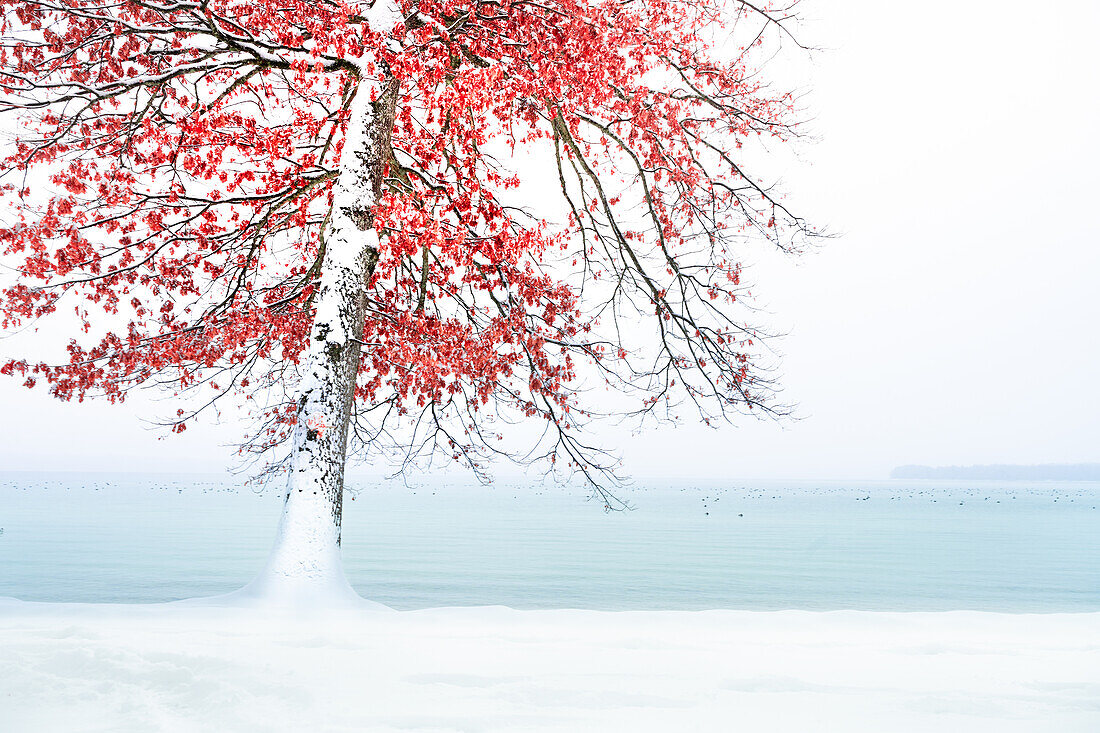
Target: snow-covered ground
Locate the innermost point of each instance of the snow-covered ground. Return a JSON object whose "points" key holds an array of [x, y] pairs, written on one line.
{"points": [[194, 668]]}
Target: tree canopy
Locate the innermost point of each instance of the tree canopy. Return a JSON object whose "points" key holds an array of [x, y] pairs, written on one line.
{"points": [[192, 152]]}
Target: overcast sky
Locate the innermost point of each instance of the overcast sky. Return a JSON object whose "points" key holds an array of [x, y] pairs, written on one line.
{"points": [[955, 318]]}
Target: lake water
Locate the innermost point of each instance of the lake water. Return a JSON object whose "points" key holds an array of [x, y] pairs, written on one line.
{"points": [[890, 545]]}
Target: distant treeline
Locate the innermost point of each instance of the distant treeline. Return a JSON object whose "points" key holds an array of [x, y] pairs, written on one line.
{"points": [[1042, 472]]}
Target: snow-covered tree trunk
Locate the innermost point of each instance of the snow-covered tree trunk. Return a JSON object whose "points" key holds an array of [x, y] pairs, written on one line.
{"points": [[305, 561]]}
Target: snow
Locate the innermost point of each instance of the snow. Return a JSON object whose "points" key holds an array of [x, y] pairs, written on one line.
{"points": [[383, 15], [221, 665], [305, 561], [298, 577], [345, 242]]}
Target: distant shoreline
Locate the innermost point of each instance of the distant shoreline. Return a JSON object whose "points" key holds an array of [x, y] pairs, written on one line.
{"points": [[1003, 472]]}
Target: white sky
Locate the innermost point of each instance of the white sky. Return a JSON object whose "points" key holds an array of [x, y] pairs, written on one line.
{"points": [[953, 321]]}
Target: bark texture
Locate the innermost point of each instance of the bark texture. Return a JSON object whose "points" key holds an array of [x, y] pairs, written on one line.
{"points": [[306, 555]]}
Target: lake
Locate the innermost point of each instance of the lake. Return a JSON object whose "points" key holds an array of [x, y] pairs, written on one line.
{"points": [[900, 545]]}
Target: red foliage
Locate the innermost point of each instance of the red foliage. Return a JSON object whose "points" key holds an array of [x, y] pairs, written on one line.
{"points": [[191, 149]]}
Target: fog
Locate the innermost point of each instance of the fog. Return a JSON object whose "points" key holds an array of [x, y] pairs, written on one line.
{"points": [[951, 320]]}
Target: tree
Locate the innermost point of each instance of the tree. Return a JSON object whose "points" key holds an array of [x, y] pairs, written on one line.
{"points": [[304, 204]]}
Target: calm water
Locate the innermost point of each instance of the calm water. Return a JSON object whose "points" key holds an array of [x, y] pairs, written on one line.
{"points": [[897, 545]]}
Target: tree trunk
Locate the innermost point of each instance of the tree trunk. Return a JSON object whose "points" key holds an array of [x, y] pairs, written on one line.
{"points": [[305, 561]]}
